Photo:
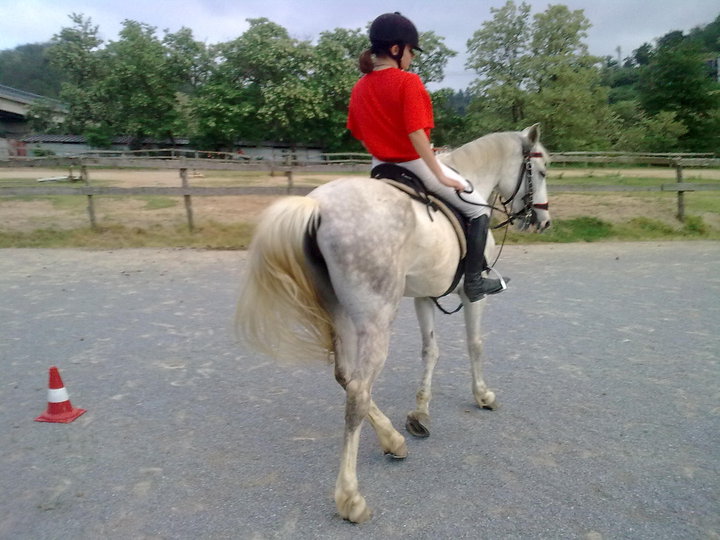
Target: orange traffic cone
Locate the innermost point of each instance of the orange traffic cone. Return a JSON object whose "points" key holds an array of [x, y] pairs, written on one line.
{"points": [[59, 407]]}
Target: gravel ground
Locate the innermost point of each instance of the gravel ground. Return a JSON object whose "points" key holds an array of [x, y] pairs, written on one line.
{"points": [[604, 358]]}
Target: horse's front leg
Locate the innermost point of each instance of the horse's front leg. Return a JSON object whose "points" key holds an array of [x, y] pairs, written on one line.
{"points": [[418, 421], [392, 443], [484, 397]]}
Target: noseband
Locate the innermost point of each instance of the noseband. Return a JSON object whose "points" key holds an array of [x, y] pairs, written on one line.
{"points": [[528, 206]]}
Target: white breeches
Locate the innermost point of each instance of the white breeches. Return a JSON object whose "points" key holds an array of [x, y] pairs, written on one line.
{"points": [[472, 205]]}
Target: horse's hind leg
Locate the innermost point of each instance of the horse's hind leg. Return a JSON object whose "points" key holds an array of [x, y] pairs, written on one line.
{"points": [[350, 504], [418, 421], [484, 397], [360, 354]]}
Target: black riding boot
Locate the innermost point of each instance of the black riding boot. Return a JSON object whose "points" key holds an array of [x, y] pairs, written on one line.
{"points": [[476, 286]]}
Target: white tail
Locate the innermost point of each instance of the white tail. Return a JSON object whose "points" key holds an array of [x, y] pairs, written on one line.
{"points": [[279, 311]]}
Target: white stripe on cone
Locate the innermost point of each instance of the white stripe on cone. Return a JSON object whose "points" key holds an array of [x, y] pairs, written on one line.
{"points": [[57, 395]]}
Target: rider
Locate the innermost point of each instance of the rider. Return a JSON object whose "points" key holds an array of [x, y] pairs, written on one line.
{"points": [[391, 114]]}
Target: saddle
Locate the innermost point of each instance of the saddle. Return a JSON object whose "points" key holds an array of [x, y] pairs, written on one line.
{"points": [[408, 182]]}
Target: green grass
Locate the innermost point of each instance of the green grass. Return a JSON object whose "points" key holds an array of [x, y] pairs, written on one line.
{"points": [[208, 235], [701, 202], [590, 229], [212, 235], [601, 178], [158, 202]]}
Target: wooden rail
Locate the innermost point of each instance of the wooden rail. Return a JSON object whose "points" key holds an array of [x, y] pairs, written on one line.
{"points": [[349, 163]]}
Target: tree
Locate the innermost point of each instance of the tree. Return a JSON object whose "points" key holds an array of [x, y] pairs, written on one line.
{"points": [[430, 64], [539, 72], [74, 52], [566, 94], [498, 54], [265, 74], [44, 117], [450, 123], [707, 37], [640, 132], [334, 74], [140, 88], [641, 56], [677, 80], [28, 68], [557, 43], [131, 86], [188, 61]]}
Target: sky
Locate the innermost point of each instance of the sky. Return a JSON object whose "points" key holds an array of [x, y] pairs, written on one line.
{"points": [[615, 23]]}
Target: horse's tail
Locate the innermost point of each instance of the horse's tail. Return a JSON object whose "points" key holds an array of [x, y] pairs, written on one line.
{"points": [[279, 310]]}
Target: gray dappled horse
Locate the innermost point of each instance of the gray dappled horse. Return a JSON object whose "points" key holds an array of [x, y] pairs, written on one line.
{"points": [[326, 273]]}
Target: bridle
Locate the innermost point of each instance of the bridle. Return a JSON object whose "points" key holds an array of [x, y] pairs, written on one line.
{"points": [[526, 212]]}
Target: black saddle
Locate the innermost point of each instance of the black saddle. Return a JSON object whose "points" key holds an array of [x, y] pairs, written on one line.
{"points": [[391, 171]]}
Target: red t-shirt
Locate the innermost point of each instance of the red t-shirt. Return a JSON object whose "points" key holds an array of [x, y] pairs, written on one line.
{"points": [[385, 107]]}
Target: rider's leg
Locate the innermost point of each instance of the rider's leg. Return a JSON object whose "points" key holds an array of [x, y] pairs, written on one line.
{"points": [[476, 286], [475, 207]]}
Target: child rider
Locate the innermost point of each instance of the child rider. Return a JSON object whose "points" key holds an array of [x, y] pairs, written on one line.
{"points": [[391, 113]]}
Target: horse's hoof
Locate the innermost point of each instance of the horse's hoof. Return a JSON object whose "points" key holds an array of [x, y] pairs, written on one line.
{"points": [[354, 509], [418, 424], [399, 453], [488, 401]]}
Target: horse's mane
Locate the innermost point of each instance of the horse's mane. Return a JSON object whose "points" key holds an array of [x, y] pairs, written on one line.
{"points": [[487, 154]]}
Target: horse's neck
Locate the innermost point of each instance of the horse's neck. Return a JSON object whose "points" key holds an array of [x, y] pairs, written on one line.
{"points": [[486, 161]]}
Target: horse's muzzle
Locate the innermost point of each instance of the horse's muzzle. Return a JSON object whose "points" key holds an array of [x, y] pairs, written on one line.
{"points": [[539, 221]]}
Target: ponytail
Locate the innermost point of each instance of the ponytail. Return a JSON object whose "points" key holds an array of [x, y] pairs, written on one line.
{"points": [[366, 62]]}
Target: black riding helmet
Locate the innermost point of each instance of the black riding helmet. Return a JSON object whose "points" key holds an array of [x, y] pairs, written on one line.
{"points": [[393, 29]]}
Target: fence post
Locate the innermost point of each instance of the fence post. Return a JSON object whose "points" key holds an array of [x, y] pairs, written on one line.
{"points": [[289, 175], [188, 199], [91, 204], [680, 194]]}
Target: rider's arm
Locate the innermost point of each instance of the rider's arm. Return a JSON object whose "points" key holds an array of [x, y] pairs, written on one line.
{"points": [[422, 146]]}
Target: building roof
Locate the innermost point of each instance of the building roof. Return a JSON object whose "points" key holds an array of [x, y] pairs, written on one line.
{"points": [[26, 97], [79, 139]]}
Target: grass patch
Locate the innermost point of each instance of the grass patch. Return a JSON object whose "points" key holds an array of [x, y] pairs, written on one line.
{"points": [[703, 201], [696, 226], [158, 203], [582, 229], [60, 202], [213, 235], [590, 229], [558, 178], [208, 235]]}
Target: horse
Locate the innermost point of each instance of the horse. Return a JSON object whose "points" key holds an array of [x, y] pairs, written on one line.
{"points": [[326, 273]]}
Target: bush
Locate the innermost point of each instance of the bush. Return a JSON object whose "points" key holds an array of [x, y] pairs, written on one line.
{"points": [[42, 152]]}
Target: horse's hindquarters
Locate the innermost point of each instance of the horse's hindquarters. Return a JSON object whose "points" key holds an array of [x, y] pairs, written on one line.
{"points": [[374, 236]]}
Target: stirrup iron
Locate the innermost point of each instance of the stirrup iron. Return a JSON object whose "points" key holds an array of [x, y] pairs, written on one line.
{"points": [[502, 280]]}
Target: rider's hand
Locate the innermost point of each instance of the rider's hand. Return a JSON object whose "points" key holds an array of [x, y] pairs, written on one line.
{"points": [[451, 182]]}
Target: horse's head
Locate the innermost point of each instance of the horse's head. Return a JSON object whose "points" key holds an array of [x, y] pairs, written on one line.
{"points": [[530, 200]]}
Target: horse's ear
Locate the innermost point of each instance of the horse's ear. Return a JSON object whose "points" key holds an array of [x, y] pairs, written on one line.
{"points": [[532, 133]]}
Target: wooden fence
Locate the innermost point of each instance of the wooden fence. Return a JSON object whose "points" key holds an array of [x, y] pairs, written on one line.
{"points": [[348, 162]]}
